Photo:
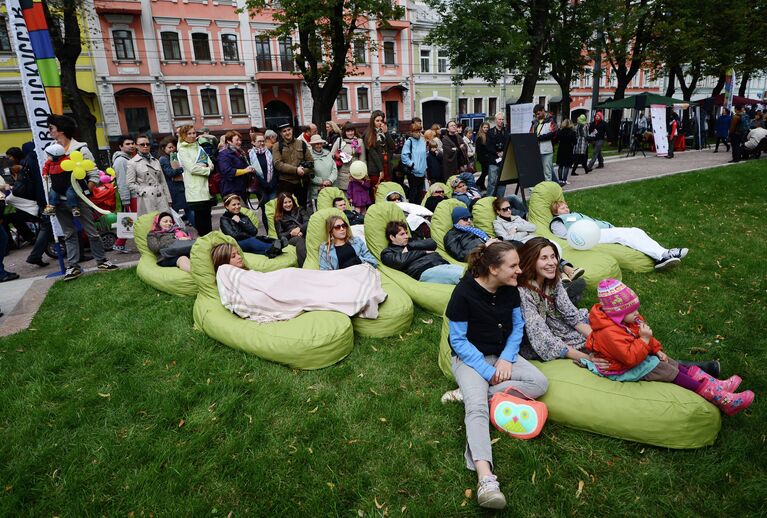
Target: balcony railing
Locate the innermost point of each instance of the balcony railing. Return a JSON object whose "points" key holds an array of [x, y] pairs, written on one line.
{"points": [[275, 63]]}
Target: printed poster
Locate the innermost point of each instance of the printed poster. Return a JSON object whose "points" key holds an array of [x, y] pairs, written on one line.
{"points": [[659, 133]]}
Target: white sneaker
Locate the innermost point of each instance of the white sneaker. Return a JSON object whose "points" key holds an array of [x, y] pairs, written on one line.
{"points": [[489, 493], [452, 395]]}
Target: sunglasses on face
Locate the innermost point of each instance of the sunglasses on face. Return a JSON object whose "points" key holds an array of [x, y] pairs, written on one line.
{"points": [[438, 192], [506, 209], [339, 226]]}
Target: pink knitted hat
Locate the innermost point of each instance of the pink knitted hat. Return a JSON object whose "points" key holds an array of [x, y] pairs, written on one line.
{"points": [[617, 299]]}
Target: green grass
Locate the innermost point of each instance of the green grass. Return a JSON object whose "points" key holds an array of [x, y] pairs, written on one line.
{"points": [[94, 395]]}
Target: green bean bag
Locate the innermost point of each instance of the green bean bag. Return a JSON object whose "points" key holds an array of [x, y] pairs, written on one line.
{"points": [[394, 315], [327, 195], [313, 340], [173, 281], [656, 413], [385, 188], [543, 195], [448, 193], [441, 222], [482, 214], [431, 296]]}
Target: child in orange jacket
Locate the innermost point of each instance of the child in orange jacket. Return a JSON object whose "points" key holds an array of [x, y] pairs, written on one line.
{"points": [[622, 337]]}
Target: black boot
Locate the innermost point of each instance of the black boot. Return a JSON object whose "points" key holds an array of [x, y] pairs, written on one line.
{"points": [[710, 367]]}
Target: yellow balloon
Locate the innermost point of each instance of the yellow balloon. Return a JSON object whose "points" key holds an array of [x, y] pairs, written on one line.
{"points": [[88, 165], [68, 165], [76, 156], [79, 173], [110, 171]]}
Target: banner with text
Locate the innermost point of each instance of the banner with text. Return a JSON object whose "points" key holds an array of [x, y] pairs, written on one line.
{"points": [[659, 132], [521, 118]]}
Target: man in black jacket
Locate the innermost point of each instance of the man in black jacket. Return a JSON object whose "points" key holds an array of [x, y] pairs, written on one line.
{"points": [[417, 258], [464, 237], [497, 138]]}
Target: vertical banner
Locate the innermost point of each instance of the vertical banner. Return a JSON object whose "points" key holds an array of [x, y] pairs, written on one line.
{"points": [[40, 79], [659, 133], [521, 118], [729, 88]]}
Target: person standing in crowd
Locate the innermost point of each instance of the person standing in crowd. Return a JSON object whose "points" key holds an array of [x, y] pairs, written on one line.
{"points": [[197, 167], [545, 129], [379, 148], [348, 148], [598, 130], [146, 179], [126, 151], [483, 154], [453, 151], [308, 133], [270, 139], [5, 275], [266, 175], [673, 131], [471, 150], [325, 169], [234, 167], [413, 158], [567, 140], [497, 138], [740, 125], [333, 132], [581, 149], [174, 177], [62, 130], [293, 160]]}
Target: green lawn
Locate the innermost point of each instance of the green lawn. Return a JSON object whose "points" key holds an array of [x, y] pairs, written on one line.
{"points": [[112, 404]]}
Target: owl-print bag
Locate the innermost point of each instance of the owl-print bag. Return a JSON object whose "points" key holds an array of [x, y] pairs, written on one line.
{"points": [[517, 417]]}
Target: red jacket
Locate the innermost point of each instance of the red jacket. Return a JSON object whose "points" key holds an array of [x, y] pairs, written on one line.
{"points": [[51, 167], [620, 346]]}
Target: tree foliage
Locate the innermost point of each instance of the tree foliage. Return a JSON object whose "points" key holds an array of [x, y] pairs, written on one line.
{"points": [[326, 31]]}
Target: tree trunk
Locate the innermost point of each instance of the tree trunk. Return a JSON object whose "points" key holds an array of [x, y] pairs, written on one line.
{"points": [[719, 86], [564, 86], [321, 111], [744, 84], [616, 115], [671, 86]]}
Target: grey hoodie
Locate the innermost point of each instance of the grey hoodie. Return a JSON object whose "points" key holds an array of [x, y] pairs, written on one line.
{"points": [[120, 165]]}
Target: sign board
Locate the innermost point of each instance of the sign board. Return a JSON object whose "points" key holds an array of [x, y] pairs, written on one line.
{"points": [[522, 161], [521, 118], [659, 133]]}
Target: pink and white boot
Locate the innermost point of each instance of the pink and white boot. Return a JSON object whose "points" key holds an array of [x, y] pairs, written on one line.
{"points": [[728, 385], [727, 402]]}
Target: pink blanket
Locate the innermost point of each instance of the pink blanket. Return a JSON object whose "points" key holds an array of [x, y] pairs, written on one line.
{"points": [[285, 294]]}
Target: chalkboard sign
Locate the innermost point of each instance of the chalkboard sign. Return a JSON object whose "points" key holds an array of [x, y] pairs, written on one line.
{"points": [[522, 161]]}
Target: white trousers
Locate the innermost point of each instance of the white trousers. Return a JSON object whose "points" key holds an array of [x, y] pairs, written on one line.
{"points": [[635, 238]]}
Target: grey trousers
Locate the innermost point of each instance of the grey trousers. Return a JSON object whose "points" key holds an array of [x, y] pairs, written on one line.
{"points": [[64, 215], [597, 155], [476, 394]]}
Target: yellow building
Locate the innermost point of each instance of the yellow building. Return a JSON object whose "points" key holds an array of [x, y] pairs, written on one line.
{"points": [[14, 126]]}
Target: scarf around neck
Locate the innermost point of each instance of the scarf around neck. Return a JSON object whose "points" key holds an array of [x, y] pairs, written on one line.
{"points": [[473, 230]]}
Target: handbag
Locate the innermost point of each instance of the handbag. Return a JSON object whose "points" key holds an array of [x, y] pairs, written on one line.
{"points": [[517, 417]]}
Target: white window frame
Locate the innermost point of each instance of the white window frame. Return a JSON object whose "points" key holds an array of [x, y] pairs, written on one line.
{"points": [[493, 112], [5, 118], [474, 104], [198, 30], [426, 59], [344, 90], [466, 99], [440, 60], [221, 35], [229, 99], [367, 98], [218, 101], [180, 44], [188, 102], [4, 21], [588, 77], [123, 27]]}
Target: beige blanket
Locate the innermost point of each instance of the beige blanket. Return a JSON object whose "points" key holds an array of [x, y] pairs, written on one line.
{"points": [[285, 294]]}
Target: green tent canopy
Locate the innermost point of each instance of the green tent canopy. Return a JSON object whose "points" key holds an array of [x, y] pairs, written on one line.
{"points": [[645, 99]]}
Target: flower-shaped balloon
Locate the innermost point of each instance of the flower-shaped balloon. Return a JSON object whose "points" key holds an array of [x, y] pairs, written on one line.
{"points": [[78, 165], [110, 171]]}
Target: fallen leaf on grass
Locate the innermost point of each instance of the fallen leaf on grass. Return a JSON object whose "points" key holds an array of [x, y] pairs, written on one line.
{"points": [[580, 489], [313, 410], [374, 349], [250, 418], [495, 440], [378, 506], [428, 321], [360, 513], [104, 394], [330, 485], [374, 392], [467, 493], [382, 419], [181, 423], [532, 479]]}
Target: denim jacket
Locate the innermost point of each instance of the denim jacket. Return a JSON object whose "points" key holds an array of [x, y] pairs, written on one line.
{"points": [[359, 248]]}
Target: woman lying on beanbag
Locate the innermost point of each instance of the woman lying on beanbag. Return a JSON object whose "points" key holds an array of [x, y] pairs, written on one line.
{"points": [[263, 297], [342, 249], [169, 243]]}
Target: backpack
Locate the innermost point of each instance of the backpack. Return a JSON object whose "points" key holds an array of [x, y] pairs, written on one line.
{"points": [[745, 124]]}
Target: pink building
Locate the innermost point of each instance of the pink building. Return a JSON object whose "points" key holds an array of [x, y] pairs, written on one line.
{"points": [[164, 63]]}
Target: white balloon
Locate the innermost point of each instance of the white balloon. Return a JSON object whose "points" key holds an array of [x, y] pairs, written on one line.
{"points": [[583, 235]]}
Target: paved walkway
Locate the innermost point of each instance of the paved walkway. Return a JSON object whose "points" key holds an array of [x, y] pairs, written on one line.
{"points": [[21, 298]]}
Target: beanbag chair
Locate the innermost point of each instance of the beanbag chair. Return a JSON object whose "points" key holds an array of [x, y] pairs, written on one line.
{"points": [[327, 195], [312, 340], [385, 188], [173, 281], [441, 222], [431, 296], [543, 195], [394, 315], [269, 208], [656, 413], [482, 214]]}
